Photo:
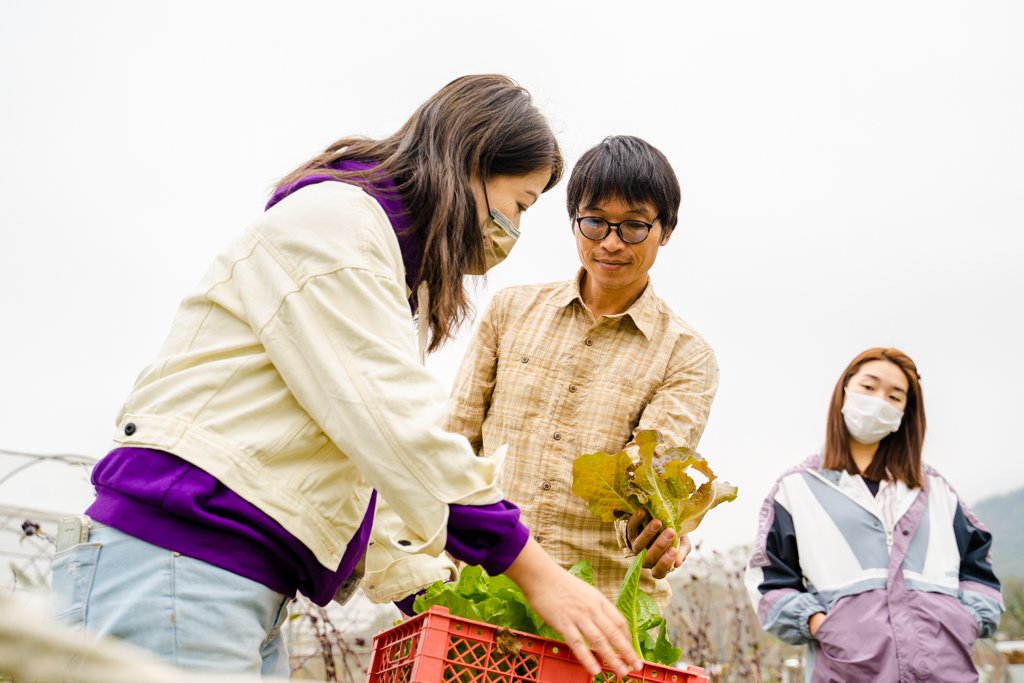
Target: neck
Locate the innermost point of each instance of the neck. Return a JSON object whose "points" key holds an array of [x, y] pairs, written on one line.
{"points": [[608, 301], [863, 454]]}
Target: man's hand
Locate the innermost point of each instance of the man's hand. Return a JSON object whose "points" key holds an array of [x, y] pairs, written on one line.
{"points": [[661, 557]]}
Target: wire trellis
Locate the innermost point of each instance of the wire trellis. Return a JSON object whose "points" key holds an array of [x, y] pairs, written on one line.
{"points": [[28, 535]]}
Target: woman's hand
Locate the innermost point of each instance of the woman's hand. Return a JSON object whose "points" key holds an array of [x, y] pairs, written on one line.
{"points": [[814, 623], [661, 556], [576, 610]]}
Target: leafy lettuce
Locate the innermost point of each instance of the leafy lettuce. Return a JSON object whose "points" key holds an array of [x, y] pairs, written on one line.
{"points": [[642, 478], [499, 601]]}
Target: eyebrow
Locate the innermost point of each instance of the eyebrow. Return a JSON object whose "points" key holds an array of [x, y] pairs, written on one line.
{"points": [[634, 210], [877, 379]]}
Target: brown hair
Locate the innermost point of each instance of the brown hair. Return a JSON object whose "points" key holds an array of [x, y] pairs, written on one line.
{"points": [[474, 127], [899, 454]]}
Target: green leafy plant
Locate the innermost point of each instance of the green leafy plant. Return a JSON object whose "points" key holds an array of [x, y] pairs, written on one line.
{"points": [[476, 595], [642, 616], [646, 476], [615, 485], [497, 600]]}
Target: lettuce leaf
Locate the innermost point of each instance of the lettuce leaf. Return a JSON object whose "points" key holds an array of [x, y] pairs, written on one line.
{"points": [[495, 600], [499, 601], [639, 477], [642, 615]]}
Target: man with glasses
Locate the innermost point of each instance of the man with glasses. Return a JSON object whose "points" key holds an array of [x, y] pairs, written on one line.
{"points": [[566, 368]]}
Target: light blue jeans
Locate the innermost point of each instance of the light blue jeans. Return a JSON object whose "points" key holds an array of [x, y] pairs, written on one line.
{"points": [[188, 612]]}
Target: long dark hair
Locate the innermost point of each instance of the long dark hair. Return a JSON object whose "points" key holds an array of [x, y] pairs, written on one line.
{"points": [[474, 127], [899, 453]]}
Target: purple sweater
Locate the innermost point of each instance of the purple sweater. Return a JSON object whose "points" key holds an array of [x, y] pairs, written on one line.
{"points": [[165, 500]]}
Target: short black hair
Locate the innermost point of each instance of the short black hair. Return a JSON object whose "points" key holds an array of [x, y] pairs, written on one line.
{"points": [[627, 168]]}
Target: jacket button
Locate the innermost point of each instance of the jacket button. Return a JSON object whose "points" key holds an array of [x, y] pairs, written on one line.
{"points": [[404, 542], [546, 486], [572, 388], [557, 436], [538, 538], [129, 429], [589, 342], [525, 359], [906, 532]]}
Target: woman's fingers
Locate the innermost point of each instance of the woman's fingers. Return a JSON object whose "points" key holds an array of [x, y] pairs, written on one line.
{"points": [[604, 632], [576, 610], [616, 642], [579, 648]]}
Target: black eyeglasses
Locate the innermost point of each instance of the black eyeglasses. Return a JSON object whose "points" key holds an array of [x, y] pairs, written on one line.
{"points": [[630, 232]]}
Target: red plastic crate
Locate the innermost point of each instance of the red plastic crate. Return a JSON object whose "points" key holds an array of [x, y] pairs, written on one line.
{"points": [[436, 647]]}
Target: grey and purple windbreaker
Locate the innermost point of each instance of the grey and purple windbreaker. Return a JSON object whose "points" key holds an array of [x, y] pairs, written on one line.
{"points": [[905, 577]]}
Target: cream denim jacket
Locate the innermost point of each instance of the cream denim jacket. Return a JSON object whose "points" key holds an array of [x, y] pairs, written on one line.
{"points": [[292, 376]]}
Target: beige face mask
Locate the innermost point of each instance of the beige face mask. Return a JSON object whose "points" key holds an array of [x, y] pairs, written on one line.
{"points": [[500, 235]]}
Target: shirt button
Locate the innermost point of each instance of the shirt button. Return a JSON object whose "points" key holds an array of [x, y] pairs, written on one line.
{"points": [[525, 359], [129, 428], [588, 341], [572, 388], [906, 532], [557, 436], [546, 486], [538, 538]]}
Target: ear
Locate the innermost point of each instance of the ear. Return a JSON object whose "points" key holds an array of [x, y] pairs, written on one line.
{"points": [[666, 235]]}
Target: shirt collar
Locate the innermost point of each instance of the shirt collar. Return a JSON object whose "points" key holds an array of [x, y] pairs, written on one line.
{"points": [[643, 312]]}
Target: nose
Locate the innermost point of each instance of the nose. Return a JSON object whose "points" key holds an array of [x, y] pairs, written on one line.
{"points": [[612, 241]]}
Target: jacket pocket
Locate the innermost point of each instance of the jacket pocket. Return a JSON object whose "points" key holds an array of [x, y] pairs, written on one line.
{"points": [[945, 632], [854, 642], [73, 572]]}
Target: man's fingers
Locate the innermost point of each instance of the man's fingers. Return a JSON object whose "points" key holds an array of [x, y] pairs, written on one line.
{"points": [[635, 524], [650, 532], [665, 564], [683, 550], [660, 546]]}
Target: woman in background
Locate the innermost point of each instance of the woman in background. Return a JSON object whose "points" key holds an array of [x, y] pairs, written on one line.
{"points": [[866, 554]]}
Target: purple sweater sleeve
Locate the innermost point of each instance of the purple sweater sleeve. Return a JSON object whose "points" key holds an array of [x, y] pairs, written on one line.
{"points": [[487, 535]]}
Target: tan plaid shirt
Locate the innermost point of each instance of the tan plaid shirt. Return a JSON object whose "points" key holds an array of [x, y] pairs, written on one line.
{"points": [[543, 376]]}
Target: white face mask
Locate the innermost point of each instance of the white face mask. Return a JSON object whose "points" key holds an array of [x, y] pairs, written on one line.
{"points": [[500, 235], [870, 419]]}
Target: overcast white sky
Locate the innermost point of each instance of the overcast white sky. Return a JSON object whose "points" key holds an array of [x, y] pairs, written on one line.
{"points": [[853, 175]]}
